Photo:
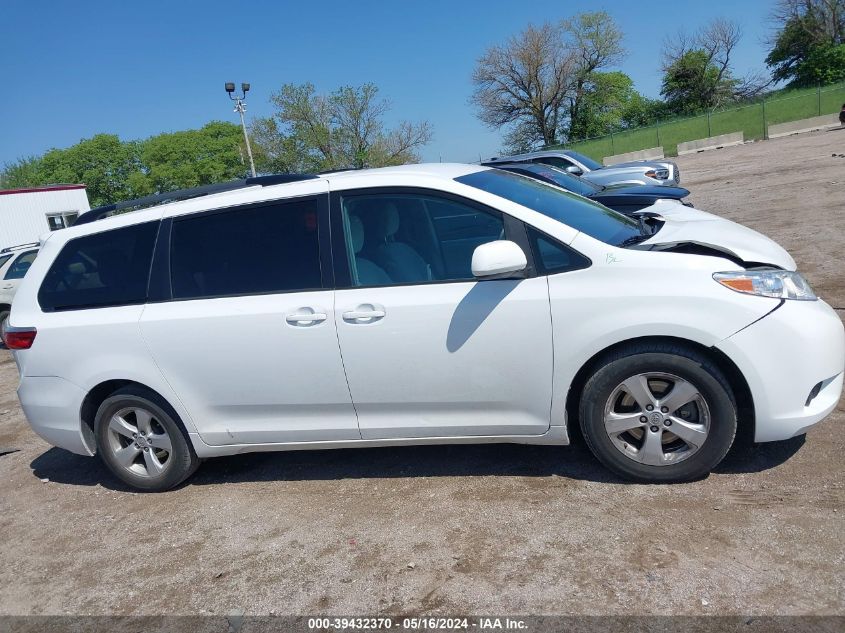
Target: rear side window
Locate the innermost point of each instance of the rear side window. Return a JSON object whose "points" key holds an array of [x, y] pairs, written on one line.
{"points": [[103, 269], [19, 267], [246, 251]]}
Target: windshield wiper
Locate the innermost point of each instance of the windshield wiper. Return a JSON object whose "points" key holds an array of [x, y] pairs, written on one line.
{"points": [[634, 239]]}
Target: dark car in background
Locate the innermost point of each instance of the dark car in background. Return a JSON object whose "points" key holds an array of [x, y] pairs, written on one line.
{"points": [[625, 199]]}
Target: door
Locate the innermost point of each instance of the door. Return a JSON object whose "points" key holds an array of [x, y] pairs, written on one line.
{"points": [[247, 339], [429, 351]]}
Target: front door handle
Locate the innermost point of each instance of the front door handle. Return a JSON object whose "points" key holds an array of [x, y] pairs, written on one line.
{"points": [[364, 314], [8, 286], [306, 316]]}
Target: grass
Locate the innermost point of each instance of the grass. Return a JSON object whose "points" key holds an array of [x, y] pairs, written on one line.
{"points": [[751, 120]]}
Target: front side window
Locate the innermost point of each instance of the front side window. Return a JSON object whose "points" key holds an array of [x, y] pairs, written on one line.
{"points": [[19, 267], [102, 269], [581, 214], [590, 164], [259, 250], [414, 238]]}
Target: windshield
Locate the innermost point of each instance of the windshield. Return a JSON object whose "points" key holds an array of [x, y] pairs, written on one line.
{"points": [[584, 160], [581, 214], [561, 178]]}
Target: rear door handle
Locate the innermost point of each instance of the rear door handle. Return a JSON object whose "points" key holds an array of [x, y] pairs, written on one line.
{"points": [[306, 316], [364, 314]]}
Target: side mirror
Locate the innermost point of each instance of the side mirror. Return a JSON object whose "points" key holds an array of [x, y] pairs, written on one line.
{"points": [[497, 260], [574, 170]]}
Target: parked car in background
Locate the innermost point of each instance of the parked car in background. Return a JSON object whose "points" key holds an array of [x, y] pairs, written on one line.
{"points": [[627, 199], [422, 304], [14, 262], [658, 172]]}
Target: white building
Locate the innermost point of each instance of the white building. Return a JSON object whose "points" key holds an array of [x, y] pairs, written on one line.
{"points": [[26, 214]]}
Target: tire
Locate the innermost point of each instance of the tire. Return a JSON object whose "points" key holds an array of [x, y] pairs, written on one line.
{"points": [[627, 382], [134, 428], [4, 315]]}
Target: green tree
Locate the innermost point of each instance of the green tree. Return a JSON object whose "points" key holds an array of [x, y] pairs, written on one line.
{"points": [[596, 42], [102, 162], [809, 46], [693, 83], [534, 86], [190, 158], [698, 69], [344, 129], [610, 103]]}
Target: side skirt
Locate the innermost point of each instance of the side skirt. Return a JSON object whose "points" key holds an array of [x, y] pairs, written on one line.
{"points": [[556, 435]]}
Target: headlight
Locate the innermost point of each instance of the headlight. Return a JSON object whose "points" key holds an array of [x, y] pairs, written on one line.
{"points": [[778, 284], [659, 174]]}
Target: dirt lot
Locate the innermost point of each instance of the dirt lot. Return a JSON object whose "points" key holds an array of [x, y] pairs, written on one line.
{"points": [[462, 529]]}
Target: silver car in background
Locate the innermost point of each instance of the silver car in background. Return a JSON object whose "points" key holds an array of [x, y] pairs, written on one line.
{"points": [[659, 172]]}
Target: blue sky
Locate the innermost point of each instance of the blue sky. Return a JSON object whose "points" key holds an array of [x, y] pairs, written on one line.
{"points": [[71, 70]]}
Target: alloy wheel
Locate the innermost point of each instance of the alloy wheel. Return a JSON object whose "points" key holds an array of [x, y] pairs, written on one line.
{"points": [[657, 419], [139, 442]]}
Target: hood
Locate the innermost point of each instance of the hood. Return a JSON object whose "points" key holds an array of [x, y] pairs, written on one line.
{"points": [[650, 191], [686, 227], [643, 164]]}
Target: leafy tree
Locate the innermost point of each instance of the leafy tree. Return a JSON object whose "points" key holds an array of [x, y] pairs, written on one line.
{"points": [[313, 132], [698, 71], [102, 162], [115, 170], [809, 46], [596, 42], [21, 173], [190, 158], [534, 85], [609, 103]]}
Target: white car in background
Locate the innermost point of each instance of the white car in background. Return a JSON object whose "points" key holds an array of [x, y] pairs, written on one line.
{"points": [[14, 262], [424, 304]]}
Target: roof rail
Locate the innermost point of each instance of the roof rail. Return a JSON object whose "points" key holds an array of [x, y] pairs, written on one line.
{"points": [[99, 213], [9, 249]]}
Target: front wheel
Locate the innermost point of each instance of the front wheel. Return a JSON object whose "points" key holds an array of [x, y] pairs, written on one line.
{"points": [[658, 414]]}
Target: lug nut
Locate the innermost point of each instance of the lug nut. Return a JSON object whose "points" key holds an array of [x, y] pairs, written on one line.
{"points": [[667, 422], [655, 429], [664, 409], [643, 418], [649, 407]]}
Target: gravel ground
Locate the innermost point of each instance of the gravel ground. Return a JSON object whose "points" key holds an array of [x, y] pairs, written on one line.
{"points": [[461, 529]]}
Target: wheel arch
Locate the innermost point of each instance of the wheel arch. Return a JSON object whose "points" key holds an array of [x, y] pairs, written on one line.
{"points": [[735, 378], [98, 394]]}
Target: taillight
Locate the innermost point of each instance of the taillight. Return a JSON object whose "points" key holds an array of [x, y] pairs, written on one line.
{"points": [[18, 337]]}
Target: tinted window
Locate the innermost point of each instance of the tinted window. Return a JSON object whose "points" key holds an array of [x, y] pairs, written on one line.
{"points": [[246, 251], [414, 238], [19, 267], [102, 269], [585, 160], [553, 257], [4, 259], [561, 178], [581, 214]]}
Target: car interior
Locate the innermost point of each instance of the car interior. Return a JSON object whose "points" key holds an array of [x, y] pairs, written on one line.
{"points": [[400, 239]]}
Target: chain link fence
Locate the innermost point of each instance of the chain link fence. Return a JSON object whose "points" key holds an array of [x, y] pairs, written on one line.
{"points": [[751, 119]]}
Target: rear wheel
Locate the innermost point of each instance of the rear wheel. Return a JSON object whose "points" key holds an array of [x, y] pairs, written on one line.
{"points": [[658, 414], [142, 441]]}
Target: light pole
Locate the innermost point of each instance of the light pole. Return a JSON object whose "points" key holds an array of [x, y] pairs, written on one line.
{"points": [[240, 108]]}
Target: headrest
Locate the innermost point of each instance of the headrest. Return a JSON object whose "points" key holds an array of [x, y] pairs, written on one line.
{"points": [[356, 233], [386, 221]]}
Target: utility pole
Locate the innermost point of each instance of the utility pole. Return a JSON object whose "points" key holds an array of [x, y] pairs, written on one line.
{"points": [[240, 108]]}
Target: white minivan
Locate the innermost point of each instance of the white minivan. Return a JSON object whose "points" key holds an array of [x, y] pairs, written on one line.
{"points": [[422, 304]]}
